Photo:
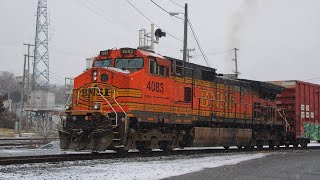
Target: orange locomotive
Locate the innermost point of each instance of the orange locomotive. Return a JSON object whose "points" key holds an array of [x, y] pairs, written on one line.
{"points": [[136, 99]]}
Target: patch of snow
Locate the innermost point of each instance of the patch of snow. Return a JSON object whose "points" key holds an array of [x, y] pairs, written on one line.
{"points": [[51, 145], [150, 169], [118, 70]]}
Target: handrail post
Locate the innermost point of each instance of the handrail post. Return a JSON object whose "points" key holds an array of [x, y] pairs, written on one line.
{"points": [[125, 114]]}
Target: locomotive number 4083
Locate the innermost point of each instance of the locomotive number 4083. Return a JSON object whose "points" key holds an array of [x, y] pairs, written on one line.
{"points": [[155, 86]]}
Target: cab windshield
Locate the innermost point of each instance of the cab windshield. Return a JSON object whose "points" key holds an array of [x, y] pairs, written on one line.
{"points": [[102, 63], [130, 64]]}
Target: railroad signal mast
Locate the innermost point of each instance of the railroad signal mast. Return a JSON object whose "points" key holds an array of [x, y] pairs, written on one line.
{"points": [[147, 40]]}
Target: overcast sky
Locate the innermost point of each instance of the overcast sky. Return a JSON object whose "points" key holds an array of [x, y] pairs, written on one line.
{"points": [[278, 39]]}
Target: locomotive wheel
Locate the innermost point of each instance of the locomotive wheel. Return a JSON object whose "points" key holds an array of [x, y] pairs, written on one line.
{"points": [[143, 148], [287, 145], [226, 147], [271, 146], [295, 145], [121, 151], [304, 144], [259, 146], [239, 147], [165, 147]]}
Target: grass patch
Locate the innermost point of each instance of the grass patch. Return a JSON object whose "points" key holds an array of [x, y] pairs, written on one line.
{"points": [[6, 132]]}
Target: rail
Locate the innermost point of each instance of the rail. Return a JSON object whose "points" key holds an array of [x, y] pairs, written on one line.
{"points": [[94, 156], [24, 141]]}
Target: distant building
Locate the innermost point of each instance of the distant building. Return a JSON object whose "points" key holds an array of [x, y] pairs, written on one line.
{"points": [[7, 104], [42, 100], [3, 73]]}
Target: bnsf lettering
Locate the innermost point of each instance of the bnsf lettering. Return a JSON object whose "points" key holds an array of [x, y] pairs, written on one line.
{"points": [[155, 86], [219, 100], [94, 92]]}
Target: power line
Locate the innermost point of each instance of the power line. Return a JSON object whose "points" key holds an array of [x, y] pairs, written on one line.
{"points": [[160, 7], [176, 3], [57, 51], [107, 18], [9, 43], [141, 13], [165, 10], [217, 53], [198, 43], [151, 20], [312, 79]]}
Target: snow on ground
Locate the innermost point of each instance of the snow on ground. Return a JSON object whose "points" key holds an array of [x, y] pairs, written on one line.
{"points": [[136, 168], [313, 144]]}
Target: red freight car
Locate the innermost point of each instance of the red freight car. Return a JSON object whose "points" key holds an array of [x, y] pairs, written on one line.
{"points": [[300, 101]]}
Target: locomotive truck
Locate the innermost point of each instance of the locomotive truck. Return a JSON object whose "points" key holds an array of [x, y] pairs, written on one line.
{"points": [[137, 99]]}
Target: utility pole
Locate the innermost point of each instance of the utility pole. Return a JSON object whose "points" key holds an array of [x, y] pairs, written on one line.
{"points": [[236, 62], [185, 34], [28, 83], [22, 94], [188, 54]]}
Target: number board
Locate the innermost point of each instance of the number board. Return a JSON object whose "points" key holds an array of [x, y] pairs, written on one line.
{"points": [[104, 53], [128, 51], [155, 86]]}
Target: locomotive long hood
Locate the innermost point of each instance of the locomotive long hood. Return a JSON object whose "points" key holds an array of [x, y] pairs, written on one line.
{"points": [[267, 90]]}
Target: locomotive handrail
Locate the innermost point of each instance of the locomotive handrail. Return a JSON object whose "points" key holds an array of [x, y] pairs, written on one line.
{"points": [[107, 102], [125, 114], [68, 98]]}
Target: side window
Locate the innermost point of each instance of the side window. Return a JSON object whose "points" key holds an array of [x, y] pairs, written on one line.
{"points": [[156, 69], [179, 68], [187, 94], [167, 71], [256, 110], [161, 70], [152, 68]]}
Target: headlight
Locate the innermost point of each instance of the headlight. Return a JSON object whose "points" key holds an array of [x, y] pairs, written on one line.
{"points": [[67, 107], [94, 75], [96, 106]]}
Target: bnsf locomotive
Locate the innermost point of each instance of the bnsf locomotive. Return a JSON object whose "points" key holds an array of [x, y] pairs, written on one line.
{"points": [[137, 99]]}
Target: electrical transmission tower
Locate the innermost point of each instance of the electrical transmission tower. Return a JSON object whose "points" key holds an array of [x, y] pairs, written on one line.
{"points": [[41, 51]]}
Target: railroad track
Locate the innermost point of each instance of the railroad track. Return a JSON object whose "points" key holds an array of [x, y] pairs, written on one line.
{"points": [[25, 141], [96, 156]]}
